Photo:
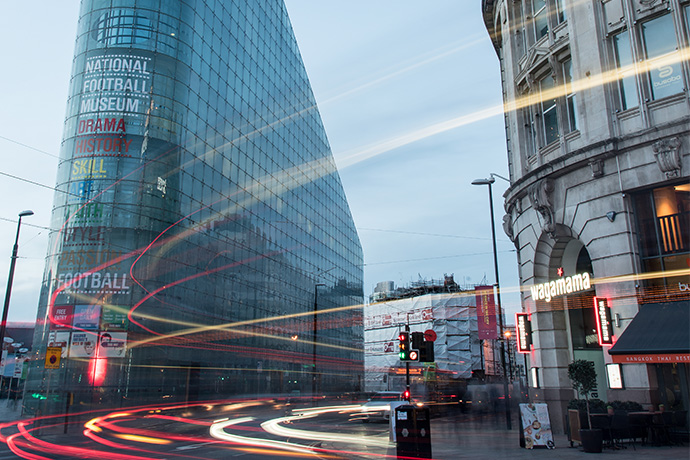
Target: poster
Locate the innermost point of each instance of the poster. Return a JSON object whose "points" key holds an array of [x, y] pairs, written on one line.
{"points": [[536, 426], [114, 318], [112, 345], [59, 339], [83, 344], [62, 316], [87, 316]]}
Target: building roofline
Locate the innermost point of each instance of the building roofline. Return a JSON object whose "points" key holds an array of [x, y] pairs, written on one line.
{"points": [[488, 9]]}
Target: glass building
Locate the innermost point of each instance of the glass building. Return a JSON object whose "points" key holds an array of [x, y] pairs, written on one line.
{"points": [[202, 245]]}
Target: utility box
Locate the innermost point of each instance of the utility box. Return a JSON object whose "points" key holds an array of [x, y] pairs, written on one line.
{"points": [[413, 431]]}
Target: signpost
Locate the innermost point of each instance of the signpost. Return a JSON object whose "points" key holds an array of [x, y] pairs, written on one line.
{"points": [[53, 355]]}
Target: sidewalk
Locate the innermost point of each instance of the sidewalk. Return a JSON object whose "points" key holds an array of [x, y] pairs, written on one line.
{"points": [[455, 438], [10, 410], [452, 440]]}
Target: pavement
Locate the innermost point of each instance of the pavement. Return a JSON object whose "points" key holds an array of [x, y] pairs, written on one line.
{"points": [[457, 436], [461, 436], [10, 410]]}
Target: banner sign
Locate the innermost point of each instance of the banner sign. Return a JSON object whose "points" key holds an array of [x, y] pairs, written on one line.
{"points": [[486, 312], [523, 331], [664, 358], [603, 319]]}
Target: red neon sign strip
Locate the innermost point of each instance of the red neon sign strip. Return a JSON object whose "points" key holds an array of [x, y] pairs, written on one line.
{"points": [[603, 320], [523, 330]]}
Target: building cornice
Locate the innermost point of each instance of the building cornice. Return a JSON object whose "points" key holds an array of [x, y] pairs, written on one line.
{"points": [[488, 12]]}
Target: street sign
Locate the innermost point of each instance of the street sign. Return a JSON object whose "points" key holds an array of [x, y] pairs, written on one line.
{"points": [[430, 335], [53, 357]]}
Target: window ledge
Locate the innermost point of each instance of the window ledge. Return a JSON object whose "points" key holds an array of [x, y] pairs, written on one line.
{"points": [[572, 135], [550, 148], [627, 114], [667, 101]]}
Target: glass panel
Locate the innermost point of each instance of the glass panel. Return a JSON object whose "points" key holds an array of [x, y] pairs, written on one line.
{"points": [[672, 206], [541, 22], [661, 49], [560, 6], [570, 96], [549, 114], [627, 88]]}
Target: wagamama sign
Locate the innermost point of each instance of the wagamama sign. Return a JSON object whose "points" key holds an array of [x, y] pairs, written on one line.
{"points": [[562, 286]]}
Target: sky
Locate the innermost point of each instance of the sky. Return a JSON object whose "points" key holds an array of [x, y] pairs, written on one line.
{"points": [[410, 96]]}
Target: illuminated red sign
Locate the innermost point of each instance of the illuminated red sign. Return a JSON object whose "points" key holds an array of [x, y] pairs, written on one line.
{"points": [[603, 319], [523, 328]]}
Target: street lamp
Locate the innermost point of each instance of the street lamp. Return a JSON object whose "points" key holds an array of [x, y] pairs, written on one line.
{"points": [[13, 262], [314, 324], [490, 182], [510, 357]]}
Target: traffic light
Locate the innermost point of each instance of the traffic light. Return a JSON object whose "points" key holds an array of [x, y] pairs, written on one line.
{"points": [[417, 340], [406, 395], [426, 352], [424, 349], [404, 346]]}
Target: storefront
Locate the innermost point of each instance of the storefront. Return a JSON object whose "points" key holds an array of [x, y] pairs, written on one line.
{"points": [[658, 336]]}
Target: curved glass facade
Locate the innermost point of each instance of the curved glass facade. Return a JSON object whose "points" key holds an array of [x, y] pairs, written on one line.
{"points": [[201, 217]]}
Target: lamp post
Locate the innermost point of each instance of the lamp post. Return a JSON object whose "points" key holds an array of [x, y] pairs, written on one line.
{"points": [[13, 262], [510, 355], [490, 182], [314, 336]]}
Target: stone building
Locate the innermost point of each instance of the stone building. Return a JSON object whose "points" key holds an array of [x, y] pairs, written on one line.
{"points": [[597, 127]]}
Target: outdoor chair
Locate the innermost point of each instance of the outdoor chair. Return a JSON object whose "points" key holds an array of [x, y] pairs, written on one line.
{"points": [[639, 427], [661, 435], [620, 429], [603, 423], [679, 426]]}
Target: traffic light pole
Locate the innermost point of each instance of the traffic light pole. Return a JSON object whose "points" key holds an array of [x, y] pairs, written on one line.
{"points": [[407, 367]]}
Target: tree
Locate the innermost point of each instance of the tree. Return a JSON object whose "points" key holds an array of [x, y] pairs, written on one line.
{"points": [[584, 379]]}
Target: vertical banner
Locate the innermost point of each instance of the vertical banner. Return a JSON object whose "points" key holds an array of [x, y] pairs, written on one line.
{"points": [[486, 312], [603, 319], [523, 332]]}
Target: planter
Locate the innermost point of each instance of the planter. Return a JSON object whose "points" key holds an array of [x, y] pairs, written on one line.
{"points": [[592, 440]]}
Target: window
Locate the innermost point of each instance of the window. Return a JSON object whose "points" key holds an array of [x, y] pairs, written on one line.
{"points": [[541, 19], [122, 27], [549, 115], [560, 11], [627, 89], [661, 51], [570, 96], [663, 227]]}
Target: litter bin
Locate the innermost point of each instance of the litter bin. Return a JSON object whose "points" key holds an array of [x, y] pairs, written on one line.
{"points": [[413, 431]]}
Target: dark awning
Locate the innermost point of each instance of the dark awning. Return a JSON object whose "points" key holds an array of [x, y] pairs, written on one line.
{"points": [[659, 333]]}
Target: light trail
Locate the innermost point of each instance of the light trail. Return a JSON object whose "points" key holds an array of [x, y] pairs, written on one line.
{"points": [[275, 427], [354, 156], [217, 431]]}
